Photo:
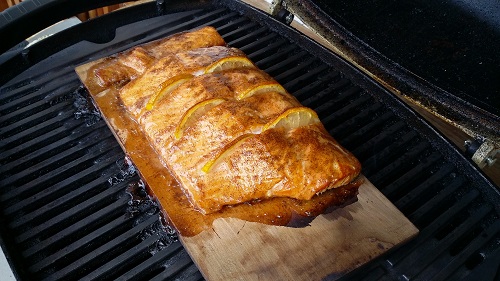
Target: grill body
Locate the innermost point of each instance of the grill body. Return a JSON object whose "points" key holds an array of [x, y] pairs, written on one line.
{"points": [[73, 207]]}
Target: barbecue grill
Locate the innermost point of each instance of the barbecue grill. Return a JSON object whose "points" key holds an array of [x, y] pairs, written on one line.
{"points": [[73, 207]]}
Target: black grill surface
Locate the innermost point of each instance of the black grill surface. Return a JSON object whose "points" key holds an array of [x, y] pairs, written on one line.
{"points": [[73, 207]]}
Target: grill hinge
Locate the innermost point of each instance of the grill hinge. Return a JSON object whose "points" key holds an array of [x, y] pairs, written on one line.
{"points": [[284, 16], [483, 153]]}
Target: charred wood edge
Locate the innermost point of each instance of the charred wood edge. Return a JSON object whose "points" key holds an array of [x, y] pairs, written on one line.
{"points": [[474, 121]]}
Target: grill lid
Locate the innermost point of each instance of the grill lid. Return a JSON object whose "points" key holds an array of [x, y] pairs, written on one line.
{"points": [[72, 207], [451, 44], [440, 55]]}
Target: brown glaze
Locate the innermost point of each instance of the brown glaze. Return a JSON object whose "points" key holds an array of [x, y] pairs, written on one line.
{"points": [[177, 208]]}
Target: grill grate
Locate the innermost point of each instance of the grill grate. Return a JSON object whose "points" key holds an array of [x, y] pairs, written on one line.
{"points": [[72, 207]]}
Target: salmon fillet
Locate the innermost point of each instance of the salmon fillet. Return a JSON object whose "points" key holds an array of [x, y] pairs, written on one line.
{"points": [[220, 133]]}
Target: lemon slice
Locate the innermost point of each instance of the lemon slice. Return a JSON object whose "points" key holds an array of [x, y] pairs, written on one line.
{"points": [[166, 88], [293, 118], [228, 149], [264, 88], [194, 113], [229, 63]]}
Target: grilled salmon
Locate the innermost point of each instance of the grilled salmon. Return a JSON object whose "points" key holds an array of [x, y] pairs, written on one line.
{"points": [[226, 130]]}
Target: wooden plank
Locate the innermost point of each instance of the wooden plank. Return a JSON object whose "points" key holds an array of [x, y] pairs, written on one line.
{"points": [[333, 244], [233, 249], [226, 247]]}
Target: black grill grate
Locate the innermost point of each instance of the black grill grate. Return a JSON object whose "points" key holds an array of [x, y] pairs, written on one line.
{"points": [[73, 208]]}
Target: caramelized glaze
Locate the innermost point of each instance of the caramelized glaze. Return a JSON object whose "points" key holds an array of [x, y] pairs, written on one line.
{"points": [[176, 206]]}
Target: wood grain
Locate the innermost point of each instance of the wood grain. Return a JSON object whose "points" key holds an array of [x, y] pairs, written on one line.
{"points": [[330, 247]]}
